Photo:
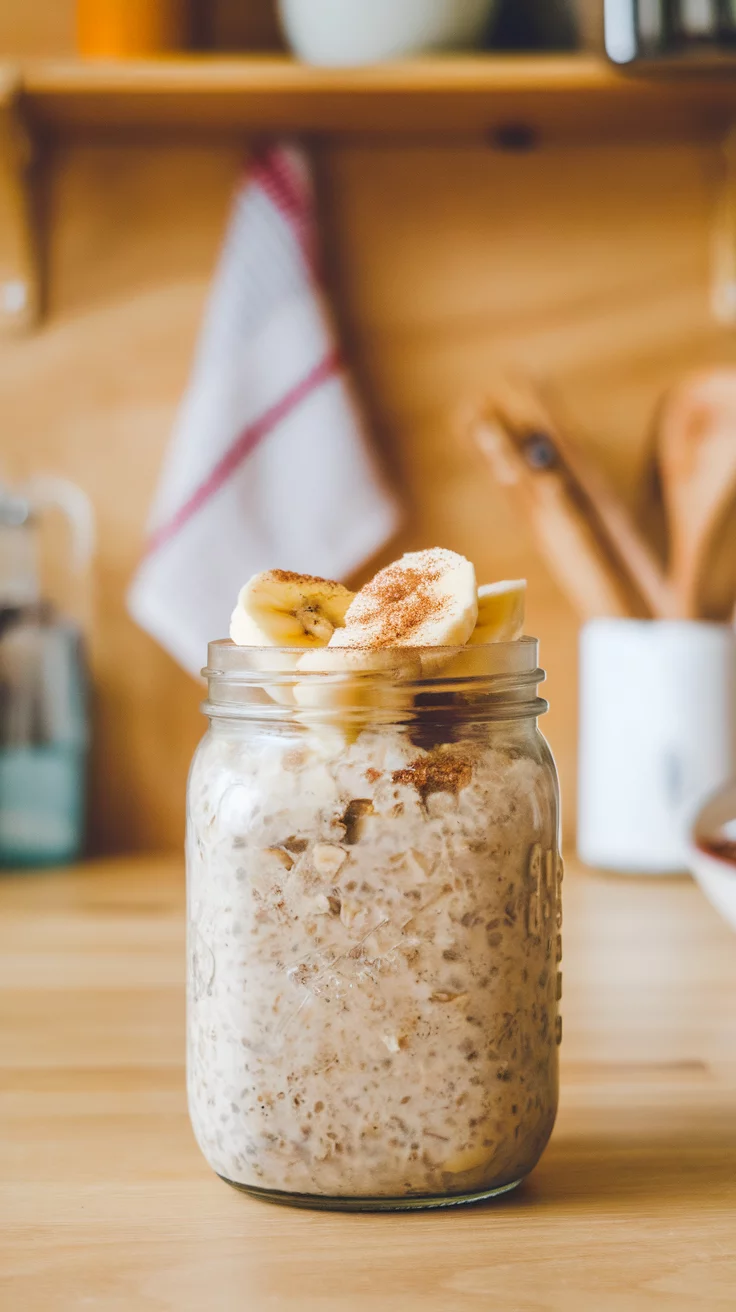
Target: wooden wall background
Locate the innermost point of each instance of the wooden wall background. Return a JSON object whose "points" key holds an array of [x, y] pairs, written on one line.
{"points": [[587, 267]]}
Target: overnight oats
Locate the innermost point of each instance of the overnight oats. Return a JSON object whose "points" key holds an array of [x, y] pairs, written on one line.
{"points": [[374, 893]]}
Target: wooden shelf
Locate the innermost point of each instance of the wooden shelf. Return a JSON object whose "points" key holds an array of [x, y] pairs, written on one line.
{"points": [[511, 102], [515, 100]]}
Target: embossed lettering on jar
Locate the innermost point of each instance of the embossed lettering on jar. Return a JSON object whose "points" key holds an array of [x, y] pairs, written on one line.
{"points": [[374, 927]]}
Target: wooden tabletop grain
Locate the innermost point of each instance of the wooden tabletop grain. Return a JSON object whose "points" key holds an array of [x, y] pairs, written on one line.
{"points": [[106, 1203]]}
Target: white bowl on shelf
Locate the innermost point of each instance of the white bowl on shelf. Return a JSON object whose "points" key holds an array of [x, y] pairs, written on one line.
{"points": [[713, 852], [350, 32]]}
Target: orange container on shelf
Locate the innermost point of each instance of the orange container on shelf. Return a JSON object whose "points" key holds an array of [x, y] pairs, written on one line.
{"points": [[119, 29]]}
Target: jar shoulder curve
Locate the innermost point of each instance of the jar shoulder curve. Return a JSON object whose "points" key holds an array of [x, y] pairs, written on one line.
{"points": [[552, 778]]}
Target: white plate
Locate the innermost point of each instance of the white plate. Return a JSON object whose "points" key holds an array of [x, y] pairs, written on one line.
{"points": [[717, 878]]}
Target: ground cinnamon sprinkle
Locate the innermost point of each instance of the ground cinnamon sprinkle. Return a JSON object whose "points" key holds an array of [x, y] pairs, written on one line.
{"points": [[397, 602], [438, 772], [288, 576]]}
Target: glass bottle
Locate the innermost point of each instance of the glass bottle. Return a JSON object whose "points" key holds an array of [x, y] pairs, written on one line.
{"points": [[44, 722]]}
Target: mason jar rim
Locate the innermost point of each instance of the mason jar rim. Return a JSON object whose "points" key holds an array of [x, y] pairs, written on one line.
{"points": [[495, 679], [226, 659]]}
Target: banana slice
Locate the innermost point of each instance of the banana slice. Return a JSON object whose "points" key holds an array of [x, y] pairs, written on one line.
{"points": [[280, 609], [426, 599], [501, 609], [349, 687]]}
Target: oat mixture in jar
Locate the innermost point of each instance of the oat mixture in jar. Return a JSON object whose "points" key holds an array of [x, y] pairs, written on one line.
{"points": [[374, 920]]}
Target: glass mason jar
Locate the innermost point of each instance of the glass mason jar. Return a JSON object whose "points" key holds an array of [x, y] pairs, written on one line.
{"points": [[373, 925]]}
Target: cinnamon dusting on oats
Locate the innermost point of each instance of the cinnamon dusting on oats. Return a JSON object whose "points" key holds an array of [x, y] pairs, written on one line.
{"points": [[438, 772]]}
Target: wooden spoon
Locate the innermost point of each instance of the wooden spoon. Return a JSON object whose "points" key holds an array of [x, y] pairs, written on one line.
{"points": [[697, 457]]}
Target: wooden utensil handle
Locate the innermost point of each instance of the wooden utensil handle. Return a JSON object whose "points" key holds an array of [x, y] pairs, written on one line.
{"points": [[570, 547], [696, 445], [538, 438], [615, 523], [612, 521]]}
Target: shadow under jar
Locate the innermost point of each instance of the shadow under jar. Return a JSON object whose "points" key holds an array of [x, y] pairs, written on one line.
{"points": [[374, 926]]}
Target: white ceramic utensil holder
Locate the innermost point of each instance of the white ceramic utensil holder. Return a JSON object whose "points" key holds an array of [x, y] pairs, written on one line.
{"points": [[657, 735], [349, 32]]}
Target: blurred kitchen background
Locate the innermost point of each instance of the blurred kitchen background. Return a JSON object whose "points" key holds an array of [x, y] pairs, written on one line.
{"points": [[570, 241]]}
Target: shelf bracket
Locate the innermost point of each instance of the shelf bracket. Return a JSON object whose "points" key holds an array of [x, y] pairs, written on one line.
{"points": [[20, 296]]}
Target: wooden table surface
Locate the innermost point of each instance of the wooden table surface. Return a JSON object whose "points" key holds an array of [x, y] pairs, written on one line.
{"points": [[106, 1203]]}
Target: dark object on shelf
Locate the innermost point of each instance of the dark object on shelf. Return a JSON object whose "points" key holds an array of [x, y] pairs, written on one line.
{"points": [[531, 25], [236, 25], [681, 31]]}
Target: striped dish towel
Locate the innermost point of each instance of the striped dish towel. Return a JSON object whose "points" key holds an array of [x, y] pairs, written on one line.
{"points": [[269, 465]]}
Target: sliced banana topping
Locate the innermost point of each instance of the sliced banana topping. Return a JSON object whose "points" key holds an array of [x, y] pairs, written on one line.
{"points": [[362, 645], [348, 685], [426, 599], [281, 609], [501, 610]]}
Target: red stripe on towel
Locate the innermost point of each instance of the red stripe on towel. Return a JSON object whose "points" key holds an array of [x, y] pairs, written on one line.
{"points": [[248, 440], [273, 172]]}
